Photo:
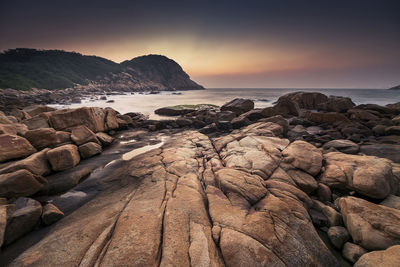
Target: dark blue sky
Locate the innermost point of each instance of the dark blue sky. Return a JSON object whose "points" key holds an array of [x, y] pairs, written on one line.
{"points": [[225, 43]]}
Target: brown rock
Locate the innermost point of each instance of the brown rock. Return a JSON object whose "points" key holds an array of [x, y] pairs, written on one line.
{"points": [[104, 138], [303, 156], [63, 157], [238, 106], [38, 121], [24, 219], [4, 119], [352, 252], [372, 226], [37, 109], [306, 100], [329, 117], [20, 183], [395, 130], [391, 201], [336, 104], [51, 214], [367, 175], [92, 117], [36, 164], [82, 134], [284, 107], [89, 150], [42, 138], [14, 147], [344, 146], [382, 258], [338, 235], [64, 137]]}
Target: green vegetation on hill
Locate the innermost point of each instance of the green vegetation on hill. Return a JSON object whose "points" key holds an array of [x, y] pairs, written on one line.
{"points": [[24, 68]]}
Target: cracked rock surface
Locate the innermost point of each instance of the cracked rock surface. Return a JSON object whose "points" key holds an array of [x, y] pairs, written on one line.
{"points": [[236, 200]]}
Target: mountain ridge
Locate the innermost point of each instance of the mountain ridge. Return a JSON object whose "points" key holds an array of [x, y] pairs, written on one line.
{"points": [[26, 68]]}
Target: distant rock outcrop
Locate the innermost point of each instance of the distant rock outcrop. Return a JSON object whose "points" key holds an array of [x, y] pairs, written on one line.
{"points": [[395, 88], [24, 69]]}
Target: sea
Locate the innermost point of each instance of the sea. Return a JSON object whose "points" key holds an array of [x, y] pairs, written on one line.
{"points": [[263, 97]]}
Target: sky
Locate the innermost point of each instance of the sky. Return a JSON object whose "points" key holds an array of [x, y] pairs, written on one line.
{"points": [[241, 44]]}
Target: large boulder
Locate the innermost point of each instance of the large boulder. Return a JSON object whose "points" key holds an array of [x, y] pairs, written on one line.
{"points": [[82, 134], [389, 151], [336, 104], [42, 137], [326, 117], [305, 100], [342, 145], [89, 150], [20, 183], [283, 107], [238, 106], [381, 258], [38, 121], [14, 147], [63, 157], [92, 117], [36, 164], [4, 119], [352, 252], [372, 226], [367, 175], [24, 219], [303, 156], [37, 109]]}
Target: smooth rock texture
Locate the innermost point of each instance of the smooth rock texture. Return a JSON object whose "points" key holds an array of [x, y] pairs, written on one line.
{"points": [[24, 219], [14, 147], [238, 106], [51, 214], [367, 175], [352, 252], [82, 134], [63, 157], [20, 183], [381, 258], [42, 137], [344, 146], [36, 164], [372, 226], [338, 235], [89, 150]]}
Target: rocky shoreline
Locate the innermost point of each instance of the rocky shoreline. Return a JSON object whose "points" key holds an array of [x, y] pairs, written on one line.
{"points": [[234, 186]]}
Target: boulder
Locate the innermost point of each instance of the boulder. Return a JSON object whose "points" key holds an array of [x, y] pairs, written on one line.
{"points": [[238, 106], [240, 122], [14, 147], [24, 219], [104, 138], [367, 175], [352, 252], [285, 107], [278, 119], [111, 119], [391, 201], [254, 114], [42, 137], [36, 164], [89, 150], [82, 134], [37, 109], [20, 183], [303, 156], [305, 100], [342, 145], [363, 115], [171, 111], [8, 129], [51, 214], [4, 119], [336, 104], [324, 192], [372, 226], [64, 137], [92, 117], [338, 235], [389, 151], [63, 157], [20, 114], [38, 121], [381, 258], [333, 217], [226, 115]]}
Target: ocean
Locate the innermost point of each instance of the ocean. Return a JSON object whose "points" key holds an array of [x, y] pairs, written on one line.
{"points": [[263, 97]]}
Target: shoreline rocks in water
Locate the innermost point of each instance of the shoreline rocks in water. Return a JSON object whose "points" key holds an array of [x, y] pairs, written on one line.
{"points": [[235, 186]]}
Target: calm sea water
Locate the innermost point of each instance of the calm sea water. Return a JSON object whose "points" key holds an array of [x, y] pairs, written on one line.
{"points": [[263, 98]]}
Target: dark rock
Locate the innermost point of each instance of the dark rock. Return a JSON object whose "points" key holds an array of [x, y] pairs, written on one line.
{"points": [[82, 134], [63, 157], [338, 235], [336, 104], [238, 106], [51, 214], [389, 151], [352, 252], [104, 138], [89, 150], [306, 100]]}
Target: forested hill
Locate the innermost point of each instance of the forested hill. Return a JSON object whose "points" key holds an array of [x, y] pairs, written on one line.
{"points": [[24, 68]]}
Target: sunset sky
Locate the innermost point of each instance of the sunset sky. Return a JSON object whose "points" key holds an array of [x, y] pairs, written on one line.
{"points": [[333, 44]]}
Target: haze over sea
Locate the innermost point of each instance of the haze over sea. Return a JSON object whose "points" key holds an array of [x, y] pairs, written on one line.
{"points": [[263, 97]]}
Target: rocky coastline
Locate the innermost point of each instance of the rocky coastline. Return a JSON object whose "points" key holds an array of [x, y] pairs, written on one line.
{"points": [[312, 181]]}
